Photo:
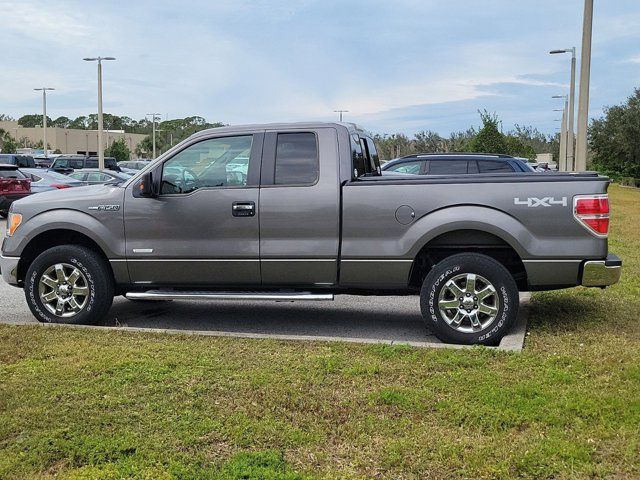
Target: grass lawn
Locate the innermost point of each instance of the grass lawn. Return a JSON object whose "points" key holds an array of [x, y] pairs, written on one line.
{"points": [[93, 404]]}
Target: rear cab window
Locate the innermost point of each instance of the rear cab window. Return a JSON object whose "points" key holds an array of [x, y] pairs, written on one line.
{"points": [[10, 173], [296, 159]]}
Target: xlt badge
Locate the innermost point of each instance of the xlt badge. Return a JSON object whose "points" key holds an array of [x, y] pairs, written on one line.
{"points": [[106, 208]]}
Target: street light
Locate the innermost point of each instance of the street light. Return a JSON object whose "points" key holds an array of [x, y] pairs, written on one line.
{"points": [[153, 119], [563, 161], [100, 150], [572, 94], [340, 112], [44, 117], [585, 74]]}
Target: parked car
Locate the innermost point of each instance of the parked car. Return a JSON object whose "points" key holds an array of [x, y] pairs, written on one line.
{"points": [[24, 161], [134, 164], [456, 164], [310, 216], [43, 162], [42, 180], [14, 185], [93, 176], [68, 163]]}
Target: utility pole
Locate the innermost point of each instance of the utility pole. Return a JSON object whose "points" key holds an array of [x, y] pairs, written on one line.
{"points": [[572, 94], [100, 120], [153, 119], [563, 164], [340, 112], [562, 161], [44, 117], [585, 74]]}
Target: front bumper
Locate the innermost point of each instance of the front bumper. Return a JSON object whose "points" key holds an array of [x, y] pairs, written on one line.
{"points": [[601, 273], [9, 269]]}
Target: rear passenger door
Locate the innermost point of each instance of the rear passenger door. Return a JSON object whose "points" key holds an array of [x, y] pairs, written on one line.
{"points": [[300, 207]]}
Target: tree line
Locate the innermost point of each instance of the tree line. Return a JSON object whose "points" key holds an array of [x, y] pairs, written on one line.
{"points": [[522, 141]]}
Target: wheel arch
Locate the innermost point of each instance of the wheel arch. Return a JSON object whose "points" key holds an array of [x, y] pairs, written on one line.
{"points": [[473, 239], [53, 238]]}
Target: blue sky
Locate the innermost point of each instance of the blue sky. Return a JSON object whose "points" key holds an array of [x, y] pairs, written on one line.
{"points": [[397, 66]]}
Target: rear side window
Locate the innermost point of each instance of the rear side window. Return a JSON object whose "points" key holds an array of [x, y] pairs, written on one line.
{"points": [[365, 156], [296, 159], [11, 174], [91, 163], [447, 167], [487, 166]]}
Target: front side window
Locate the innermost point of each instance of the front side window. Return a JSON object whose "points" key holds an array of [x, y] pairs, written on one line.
{"points": [[412, 168], [296, 159], [217, 162]]}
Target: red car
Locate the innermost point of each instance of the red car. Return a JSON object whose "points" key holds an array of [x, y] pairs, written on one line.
{"points": [[13, 186]]}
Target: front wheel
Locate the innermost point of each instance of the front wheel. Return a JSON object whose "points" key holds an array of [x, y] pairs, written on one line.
{"points": [[69, 284], [469, 298]]}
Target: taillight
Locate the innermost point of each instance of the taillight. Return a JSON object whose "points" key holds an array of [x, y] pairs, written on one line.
{"points": [[59, 185], [592, 211]]}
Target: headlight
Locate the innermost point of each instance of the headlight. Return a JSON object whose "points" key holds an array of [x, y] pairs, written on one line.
{"points": [[13, 222]]}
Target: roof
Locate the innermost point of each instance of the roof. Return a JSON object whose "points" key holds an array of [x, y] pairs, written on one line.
{"points": [[352, 127]]}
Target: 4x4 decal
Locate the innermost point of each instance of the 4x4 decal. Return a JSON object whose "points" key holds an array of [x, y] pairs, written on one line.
{"points": [[540, 202]]}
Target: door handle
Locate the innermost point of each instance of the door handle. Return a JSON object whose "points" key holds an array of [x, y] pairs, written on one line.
{"points": [[243, 209]]}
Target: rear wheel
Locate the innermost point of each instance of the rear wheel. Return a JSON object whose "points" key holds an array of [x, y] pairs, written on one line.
{"points": [[69, 284], [469, 298]]}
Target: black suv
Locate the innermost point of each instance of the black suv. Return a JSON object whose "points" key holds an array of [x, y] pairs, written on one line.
{"points": [[68, 163], [457, 163], [22, 161]]}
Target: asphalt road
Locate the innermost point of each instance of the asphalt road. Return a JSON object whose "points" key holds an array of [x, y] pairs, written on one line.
{"points": [[354, 318]]}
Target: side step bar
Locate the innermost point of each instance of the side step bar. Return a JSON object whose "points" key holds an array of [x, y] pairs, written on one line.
{"points": [[277, 296]]}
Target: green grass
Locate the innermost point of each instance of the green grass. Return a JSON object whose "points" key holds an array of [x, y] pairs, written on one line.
{"points": [[80, 404]]}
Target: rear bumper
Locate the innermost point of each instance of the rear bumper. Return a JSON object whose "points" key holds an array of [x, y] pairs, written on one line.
{"points": [[9, 269], [601, 273]]}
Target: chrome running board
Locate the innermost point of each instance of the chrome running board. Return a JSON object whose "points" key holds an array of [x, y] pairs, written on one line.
{"points": [[195, 295]]}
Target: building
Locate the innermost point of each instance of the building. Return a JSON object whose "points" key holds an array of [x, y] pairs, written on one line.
{"points": [[67, 140]]}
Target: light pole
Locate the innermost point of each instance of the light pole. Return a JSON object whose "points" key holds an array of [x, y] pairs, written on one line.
{"points": [[153, 119], [572, 95], [100, 149], [585, 74], [563, 160], [340, 112], [44, 117]]}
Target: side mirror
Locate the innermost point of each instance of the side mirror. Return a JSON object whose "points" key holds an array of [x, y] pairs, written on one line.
{"points": [[145, 187]]}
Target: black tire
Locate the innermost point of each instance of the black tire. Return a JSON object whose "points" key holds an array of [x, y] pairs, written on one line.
{"points": [[96, 277], [505, 300]]}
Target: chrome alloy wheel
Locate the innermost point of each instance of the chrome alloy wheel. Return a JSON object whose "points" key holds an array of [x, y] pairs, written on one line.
{"points": [[63, 290], [468, 303]]}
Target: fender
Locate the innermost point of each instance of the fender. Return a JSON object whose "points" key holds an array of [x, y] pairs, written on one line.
{"points": [[108, 235], [467, 217]]}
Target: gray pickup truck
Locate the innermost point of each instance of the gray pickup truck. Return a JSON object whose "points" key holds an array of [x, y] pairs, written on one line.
{"points": [[302, 211]]}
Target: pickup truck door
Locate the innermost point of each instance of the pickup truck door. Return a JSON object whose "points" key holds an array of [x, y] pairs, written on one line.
{"points": [[203, 227], [300, 207]]}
